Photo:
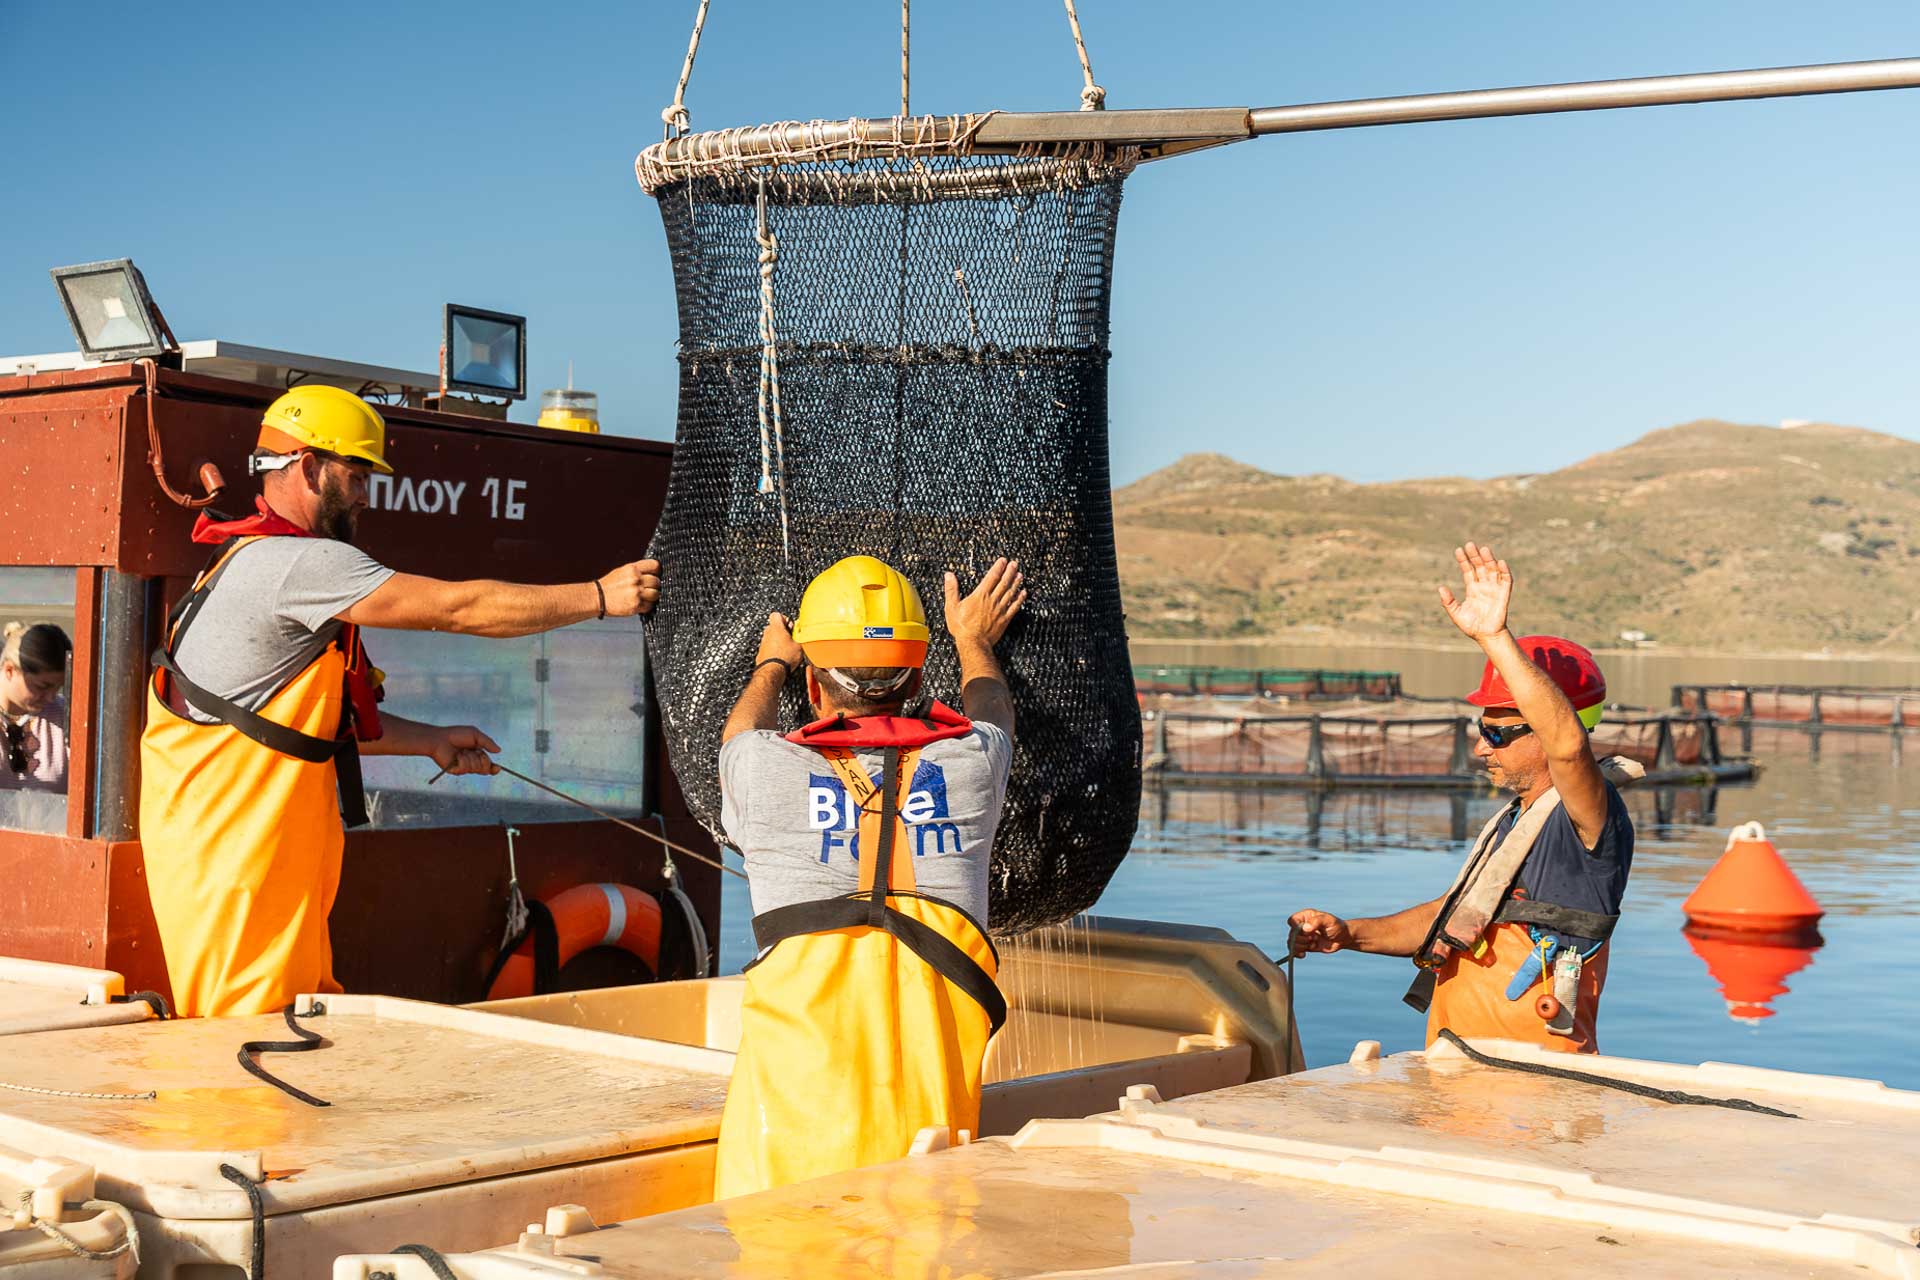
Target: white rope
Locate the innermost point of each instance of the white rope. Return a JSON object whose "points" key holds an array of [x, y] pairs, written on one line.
{"points": [[773, 444], [148, 1096], [675, 117], [131, 1244], [1092, 96], [904, 24]]}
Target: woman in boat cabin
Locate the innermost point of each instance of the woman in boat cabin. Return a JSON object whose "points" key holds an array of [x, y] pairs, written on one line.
{"points": [[33, 678]]}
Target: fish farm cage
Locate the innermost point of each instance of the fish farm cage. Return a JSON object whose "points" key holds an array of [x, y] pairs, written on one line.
{"points": [[1858, 708], [1284, 682], [1408, 745]]}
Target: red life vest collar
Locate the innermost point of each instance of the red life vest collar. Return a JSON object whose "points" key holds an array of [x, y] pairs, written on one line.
{"points": [[940, 722], [264, 523]]}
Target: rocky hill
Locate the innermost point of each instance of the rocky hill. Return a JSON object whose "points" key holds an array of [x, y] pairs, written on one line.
{"points": [[1709, 534]]}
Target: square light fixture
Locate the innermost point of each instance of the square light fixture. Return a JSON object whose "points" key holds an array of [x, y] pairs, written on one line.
{"points": [[111, 312], [486, 352]]}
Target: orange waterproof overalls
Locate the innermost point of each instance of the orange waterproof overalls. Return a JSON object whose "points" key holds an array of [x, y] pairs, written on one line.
{"points": [[241, 825], [867, 1016]]}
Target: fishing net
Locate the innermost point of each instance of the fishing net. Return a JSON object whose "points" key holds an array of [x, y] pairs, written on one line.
{"points": [[898, 348]]}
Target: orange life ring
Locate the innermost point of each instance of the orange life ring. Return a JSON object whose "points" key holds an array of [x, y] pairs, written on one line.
{"points": [[588, 916]]}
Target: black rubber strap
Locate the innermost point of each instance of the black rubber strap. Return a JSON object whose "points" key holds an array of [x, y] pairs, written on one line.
{"points": [[935, 950], [1419, 995], [1609, 1082], [258, 1265], [152, 999], [435, 1262], [546, 952], [1567, 920], [308, 1040]]}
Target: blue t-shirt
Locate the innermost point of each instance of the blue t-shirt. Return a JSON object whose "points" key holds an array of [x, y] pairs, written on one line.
{"points": [[1561, 870]]}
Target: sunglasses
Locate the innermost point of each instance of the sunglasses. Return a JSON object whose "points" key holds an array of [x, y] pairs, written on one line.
{"points": [[17, 748], [1499, 735]]}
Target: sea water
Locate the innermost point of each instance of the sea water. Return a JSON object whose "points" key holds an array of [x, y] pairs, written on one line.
{"points": [[1844, 811]]}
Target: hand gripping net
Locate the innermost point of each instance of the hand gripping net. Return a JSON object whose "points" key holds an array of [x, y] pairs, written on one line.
{"points": [[894, 346]]}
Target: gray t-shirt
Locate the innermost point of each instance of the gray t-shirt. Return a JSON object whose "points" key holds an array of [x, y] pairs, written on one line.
{"points": [[274, 609], [786, 810]]}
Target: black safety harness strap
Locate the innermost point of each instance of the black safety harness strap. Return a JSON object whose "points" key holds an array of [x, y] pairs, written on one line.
{"points": [[344, 751], [1567, 920], [870, 909], [940, 953]]}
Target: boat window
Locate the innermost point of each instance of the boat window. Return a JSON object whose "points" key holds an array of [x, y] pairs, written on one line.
{"points": [[33, 753], [568, 708]]}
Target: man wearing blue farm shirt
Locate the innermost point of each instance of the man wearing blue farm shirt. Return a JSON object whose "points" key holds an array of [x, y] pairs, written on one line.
{"points": [[867, 836]]}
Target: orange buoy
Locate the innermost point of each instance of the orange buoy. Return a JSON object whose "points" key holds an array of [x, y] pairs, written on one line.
{"points": [[1751, 889], [1750, 974], [1547, 1007]]}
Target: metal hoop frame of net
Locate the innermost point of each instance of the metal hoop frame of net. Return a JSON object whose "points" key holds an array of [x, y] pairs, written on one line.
{"points": [[934, 327]]}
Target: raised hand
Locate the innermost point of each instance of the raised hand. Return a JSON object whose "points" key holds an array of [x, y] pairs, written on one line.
{"points": [[986, 613], [1487, 590], [776, 641]]}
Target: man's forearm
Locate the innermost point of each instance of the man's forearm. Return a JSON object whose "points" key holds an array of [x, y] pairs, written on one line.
{"points": [[1399, 934], [504, 610], [983, 687], [759, 703], [400, 737]]}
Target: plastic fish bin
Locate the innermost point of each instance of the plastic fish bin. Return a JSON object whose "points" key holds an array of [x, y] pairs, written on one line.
{"points": [[1091, 1010], [1149, 1192], [441, 1123], [35, 996]]}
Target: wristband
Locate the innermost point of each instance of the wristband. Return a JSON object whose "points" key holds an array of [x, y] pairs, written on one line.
{"points": [[600, 591], [767, 662]]}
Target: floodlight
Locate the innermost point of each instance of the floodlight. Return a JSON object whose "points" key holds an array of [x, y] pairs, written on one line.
{"points": [[486, 352], [112, 314]]}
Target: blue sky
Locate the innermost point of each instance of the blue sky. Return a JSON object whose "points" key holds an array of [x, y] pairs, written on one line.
{"points": [[1470, 298]]}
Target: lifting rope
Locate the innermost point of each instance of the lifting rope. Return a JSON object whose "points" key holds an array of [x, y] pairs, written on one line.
{"points": [[675, 117], [1092, 96], [678, 120]]}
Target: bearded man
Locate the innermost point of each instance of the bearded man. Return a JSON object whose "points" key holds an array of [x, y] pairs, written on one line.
{"points": [[262, 700], [1517, 948]]}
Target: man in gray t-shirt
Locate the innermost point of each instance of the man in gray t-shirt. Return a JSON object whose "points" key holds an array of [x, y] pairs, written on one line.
{"points": [[238, 818], [789, 812]]}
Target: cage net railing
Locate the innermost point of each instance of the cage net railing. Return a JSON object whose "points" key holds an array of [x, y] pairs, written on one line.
{"points": [[1405, 742], [902, 352]]}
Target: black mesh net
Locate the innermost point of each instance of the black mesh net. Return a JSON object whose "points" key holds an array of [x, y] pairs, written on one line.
{"points": [[941, 341]]}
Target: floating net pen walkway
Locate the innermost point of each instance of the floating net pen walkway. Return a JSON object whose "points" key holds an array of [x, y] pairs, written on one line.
{"points": [[1397, 744], [894, 344]]}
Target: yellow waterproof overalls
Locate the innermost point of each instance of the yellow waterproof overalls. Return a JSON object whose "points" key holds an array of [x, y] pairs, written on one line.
{"points": [[241, 825], [866, 1017]]}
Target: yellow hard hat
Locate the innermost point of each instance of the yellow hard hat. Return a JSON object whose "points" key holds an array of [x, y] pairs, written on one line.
{"points": [[861, 613], [326, 418]]}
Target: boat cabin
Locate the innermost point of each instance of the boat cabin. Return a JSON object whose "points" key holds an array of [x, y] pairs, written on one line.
{"points": [[96, 546]]}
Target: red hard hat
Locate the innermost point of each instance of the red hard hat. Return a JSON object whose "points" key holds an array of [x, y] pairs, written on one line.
{"points": [[1567, 664]]}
